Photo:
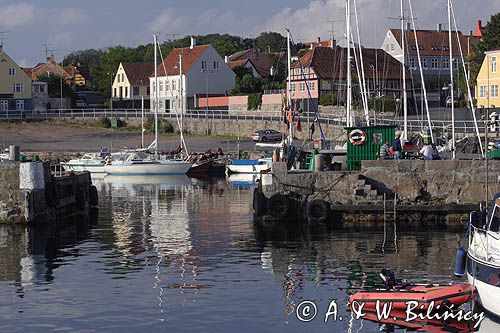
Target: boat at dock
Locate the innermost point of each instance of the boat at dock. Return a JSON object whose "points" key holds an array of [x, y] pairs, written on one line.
{"points": [[137, 163], [90, 162], [249, 166], [483, 256]]}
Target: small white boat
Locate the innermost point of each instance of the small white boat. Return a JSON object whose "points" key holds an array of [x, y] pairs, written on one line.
{"points": [[249, 166], [483, 256], [91, 162], [137, 163]]}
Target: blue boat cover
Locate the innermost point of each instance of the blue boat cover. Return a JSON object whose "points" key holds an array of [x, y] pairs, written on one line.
{"points": [[245, 162]]}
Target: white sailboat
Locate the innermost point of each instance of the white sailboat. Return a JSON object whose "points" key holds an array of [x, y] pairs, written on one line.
{"points": [[138, 163]]}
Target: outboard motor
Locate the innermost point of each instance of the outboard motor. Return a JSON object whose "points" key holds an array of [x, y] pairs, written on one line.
{"points": [[388, 277], [460, 258]]}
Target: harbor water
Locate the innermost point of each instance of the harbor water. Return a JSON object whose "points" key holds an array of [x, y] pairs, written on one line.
{"points": [[174, 254]]}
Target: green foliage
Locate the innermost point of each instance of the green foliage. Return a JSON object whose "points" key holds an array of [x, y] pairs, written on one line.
{"points": [[490, 41], [248, 84], [164, 126], [54, 86], [241, 71], [383, 104], [328, 99], [270, 41], [254, 101], [104, 122]]}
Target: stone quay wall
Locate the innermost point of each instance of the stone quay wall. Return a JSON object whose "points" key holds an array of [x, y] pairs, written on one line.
{"points": [[12, 199]]}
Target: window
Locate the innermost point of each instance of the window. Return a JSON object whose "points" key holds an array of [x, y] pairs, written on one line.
{"points": [[126, 92], [203, 65], [434, 63], [18, 88], [495, 220], [446, 63], [148, 90], [167, 86], [135, 91], [19, 105], [434, 48], [392, 47], [446, 48], [123, 77], [216, 65], [412, 63], [173, 85], [377, 138], [114, 92], [4, 105], [121, 92], [414, 47], [292, 87], [311, 86], [483, 91], [493, 64], [302, 86], [161, 86], [12, 72], [455, 63], [423, 62], [494, 90]]}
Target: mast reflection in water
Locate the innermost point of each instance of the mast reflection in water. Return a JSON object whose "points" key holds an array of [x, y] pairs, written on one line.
{"points": [[184, 255]]}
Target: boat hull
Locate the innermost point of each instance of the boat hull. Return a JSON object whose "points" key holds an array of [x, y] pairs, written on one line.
{"points": [[200, 167], [486, 279], [92, 168], [144, 168]]}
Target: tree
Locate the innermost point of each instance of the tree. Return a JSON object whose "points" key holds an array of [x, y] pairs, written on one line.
{"points": [[54, 86], [248, 84], [490, 41], [270, 41]]}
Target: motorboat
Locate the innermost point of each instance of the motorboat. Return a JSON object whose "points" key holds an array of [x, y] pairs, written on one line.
{"points": [[483, 256], [249, 166], [138, 163], [91, 162]]}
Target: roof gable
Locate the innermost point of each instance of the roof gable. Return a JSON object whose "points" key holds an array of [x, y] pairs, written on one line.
{"points": [[189, 58], [138, 73]]}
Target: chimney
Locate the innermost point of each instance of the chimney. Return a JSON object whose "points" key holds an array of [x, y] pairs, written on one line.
{"points": [[193, 43], [479, 28], [408, 26], [440, 27], [319, 40], [226, 59]]}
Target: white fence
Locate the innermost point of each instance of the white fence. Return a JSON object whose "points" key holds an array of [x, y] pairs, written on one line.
{"points": [[413, 125]]}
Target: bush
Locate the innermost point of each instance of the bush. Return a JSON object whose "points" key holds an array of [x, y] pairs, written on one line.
{"points": [[383, 104], [165, 126], [328, 99], [254, 101], [104, 122]]}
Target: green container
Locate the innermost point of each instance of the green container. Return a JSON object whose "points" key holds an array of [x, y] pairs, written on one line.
{"points": [[22, 158], [363, 143], [36, 158], [114, 122]]}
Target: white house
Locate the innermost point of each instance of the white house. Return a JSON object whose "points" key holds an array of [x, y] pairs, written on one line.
{"points": [[190, 71], [131, 82]]}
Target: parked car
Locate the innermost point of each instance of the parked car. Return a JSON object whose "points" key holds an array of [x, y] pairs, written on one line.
{"points": [[266, 135]]}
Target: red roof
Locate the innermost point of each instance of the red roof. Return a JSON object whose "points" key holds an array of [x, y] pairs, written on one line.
{"points": [[189, 57], [261, 61], [330, 63], [238, 63], [435, 43], [138, 72], [27, 70]]}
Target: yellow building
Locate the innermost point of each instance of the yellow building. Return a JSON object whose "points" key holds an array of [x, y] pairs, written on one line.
{"points": [[488, 81], [15, 85]]}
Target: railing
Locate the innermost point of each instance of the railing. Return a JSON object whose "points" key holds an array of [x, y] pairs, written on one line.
{"points": [[464, 127]]}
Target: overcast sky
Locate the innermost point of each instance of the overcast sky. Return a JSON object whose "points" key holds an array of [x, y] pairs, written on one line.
{"points": [[75, 25]]}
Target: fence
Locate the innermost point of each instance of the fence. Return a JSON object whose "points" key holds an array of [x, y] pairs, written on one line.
{"points": [[276, 116]]}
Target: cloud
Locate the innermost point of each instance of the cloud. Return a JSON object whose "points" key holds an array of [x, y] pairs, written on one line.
{"points": [[16, 15], [70, 16], [169, 21], [61, 38]]}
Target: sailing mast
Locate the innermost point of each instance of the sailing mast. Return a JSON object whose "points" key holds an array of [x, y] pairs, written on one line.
{"points": [[349, 121], [451, 84], [181, 102], [155, 103], [289, 94], [405, 96]]}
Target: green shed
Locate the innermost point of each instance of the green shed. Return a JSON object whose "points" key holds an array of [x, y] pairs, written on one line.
{"points": [[363, 143]]}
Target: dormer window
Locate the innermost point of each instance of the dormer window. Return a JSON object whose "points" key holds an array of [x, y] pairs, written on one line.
{"points": [[414, 47], [371, 66], [421, 48], [434, 48], [446, 48]]}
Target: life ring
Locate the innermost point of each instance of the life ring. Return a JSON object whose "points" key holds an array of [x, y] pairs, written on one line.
{"points": [[93, 196], [357, 137], [278, 206], [259, 203], [318, 211]]}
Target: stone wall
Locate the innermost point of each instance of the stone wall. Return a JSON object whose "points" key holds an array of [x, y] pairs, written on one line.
{"points": [[11, 198]]}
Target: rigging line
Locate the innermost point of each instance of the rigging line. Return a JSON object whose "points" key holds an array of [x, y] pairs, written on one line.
{"points": [[315, 109], [466, 74], [356, 60], [363, 80], [421, 73]]}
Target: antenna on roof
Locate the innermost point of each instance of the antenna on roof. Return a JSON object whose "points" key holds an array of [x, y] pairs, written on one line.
{"points": [[48, 50], [3, 38]]}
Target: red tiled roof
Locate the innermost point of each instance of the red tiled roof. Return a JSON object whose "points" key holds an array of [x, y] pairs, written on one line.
{"points": [[238, 63], [330, 63], [261, 61], [138, 72], [435, 43], [27, 70], [189, 57]]}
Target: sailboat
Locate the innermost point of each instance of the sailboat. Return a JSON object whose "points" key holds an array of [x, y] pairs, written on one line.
{"points": [[137, 162]]}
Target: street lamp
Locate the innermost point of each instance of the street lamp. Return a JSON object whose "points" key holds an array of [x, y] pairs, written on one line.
{"points": [[111, 93]]}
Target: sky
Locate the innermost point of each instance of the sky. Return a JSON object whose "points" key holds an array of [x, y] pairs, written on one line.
{"points": [[70, 25]]}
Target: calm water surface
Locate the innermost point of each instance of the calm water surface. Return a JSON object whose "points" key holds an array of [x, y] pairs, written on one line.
{"points": [[184, 255]]}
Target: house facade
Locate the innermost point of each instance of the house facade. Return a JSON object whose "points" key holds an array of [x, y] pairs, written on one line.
{"points": [[131, 83], [188, 72], [50, 67], [323, 71], [434, 49], [15, 85], [488, 81]]}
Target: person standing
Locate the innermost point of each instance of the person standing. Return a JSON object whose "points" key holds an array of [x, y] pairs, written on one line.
{"points": [[396, 146], [384, 151]]}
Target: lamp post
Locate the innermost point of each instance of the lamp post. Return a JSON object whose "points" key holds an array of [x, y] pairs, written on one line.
{"points": [[206, 71], [111, 93]]}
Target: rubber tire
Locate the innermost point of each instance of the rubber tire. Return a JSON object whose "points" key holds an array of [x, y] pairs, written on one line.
{"points": [[278, 206], [93, 196], [318, 211], [259, 203]]}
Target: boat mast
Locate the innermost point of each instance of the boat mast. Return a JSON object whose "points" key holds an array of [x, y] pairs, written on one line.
{"points": [[403, 59], [453, 152], [181, 101], [348, 65], [155, 103], [289, 94], [364, 90]]}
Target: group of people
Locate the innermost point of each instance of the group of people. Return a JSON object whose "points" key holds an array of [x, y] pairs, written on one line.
{"points": [[395, 151]]}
